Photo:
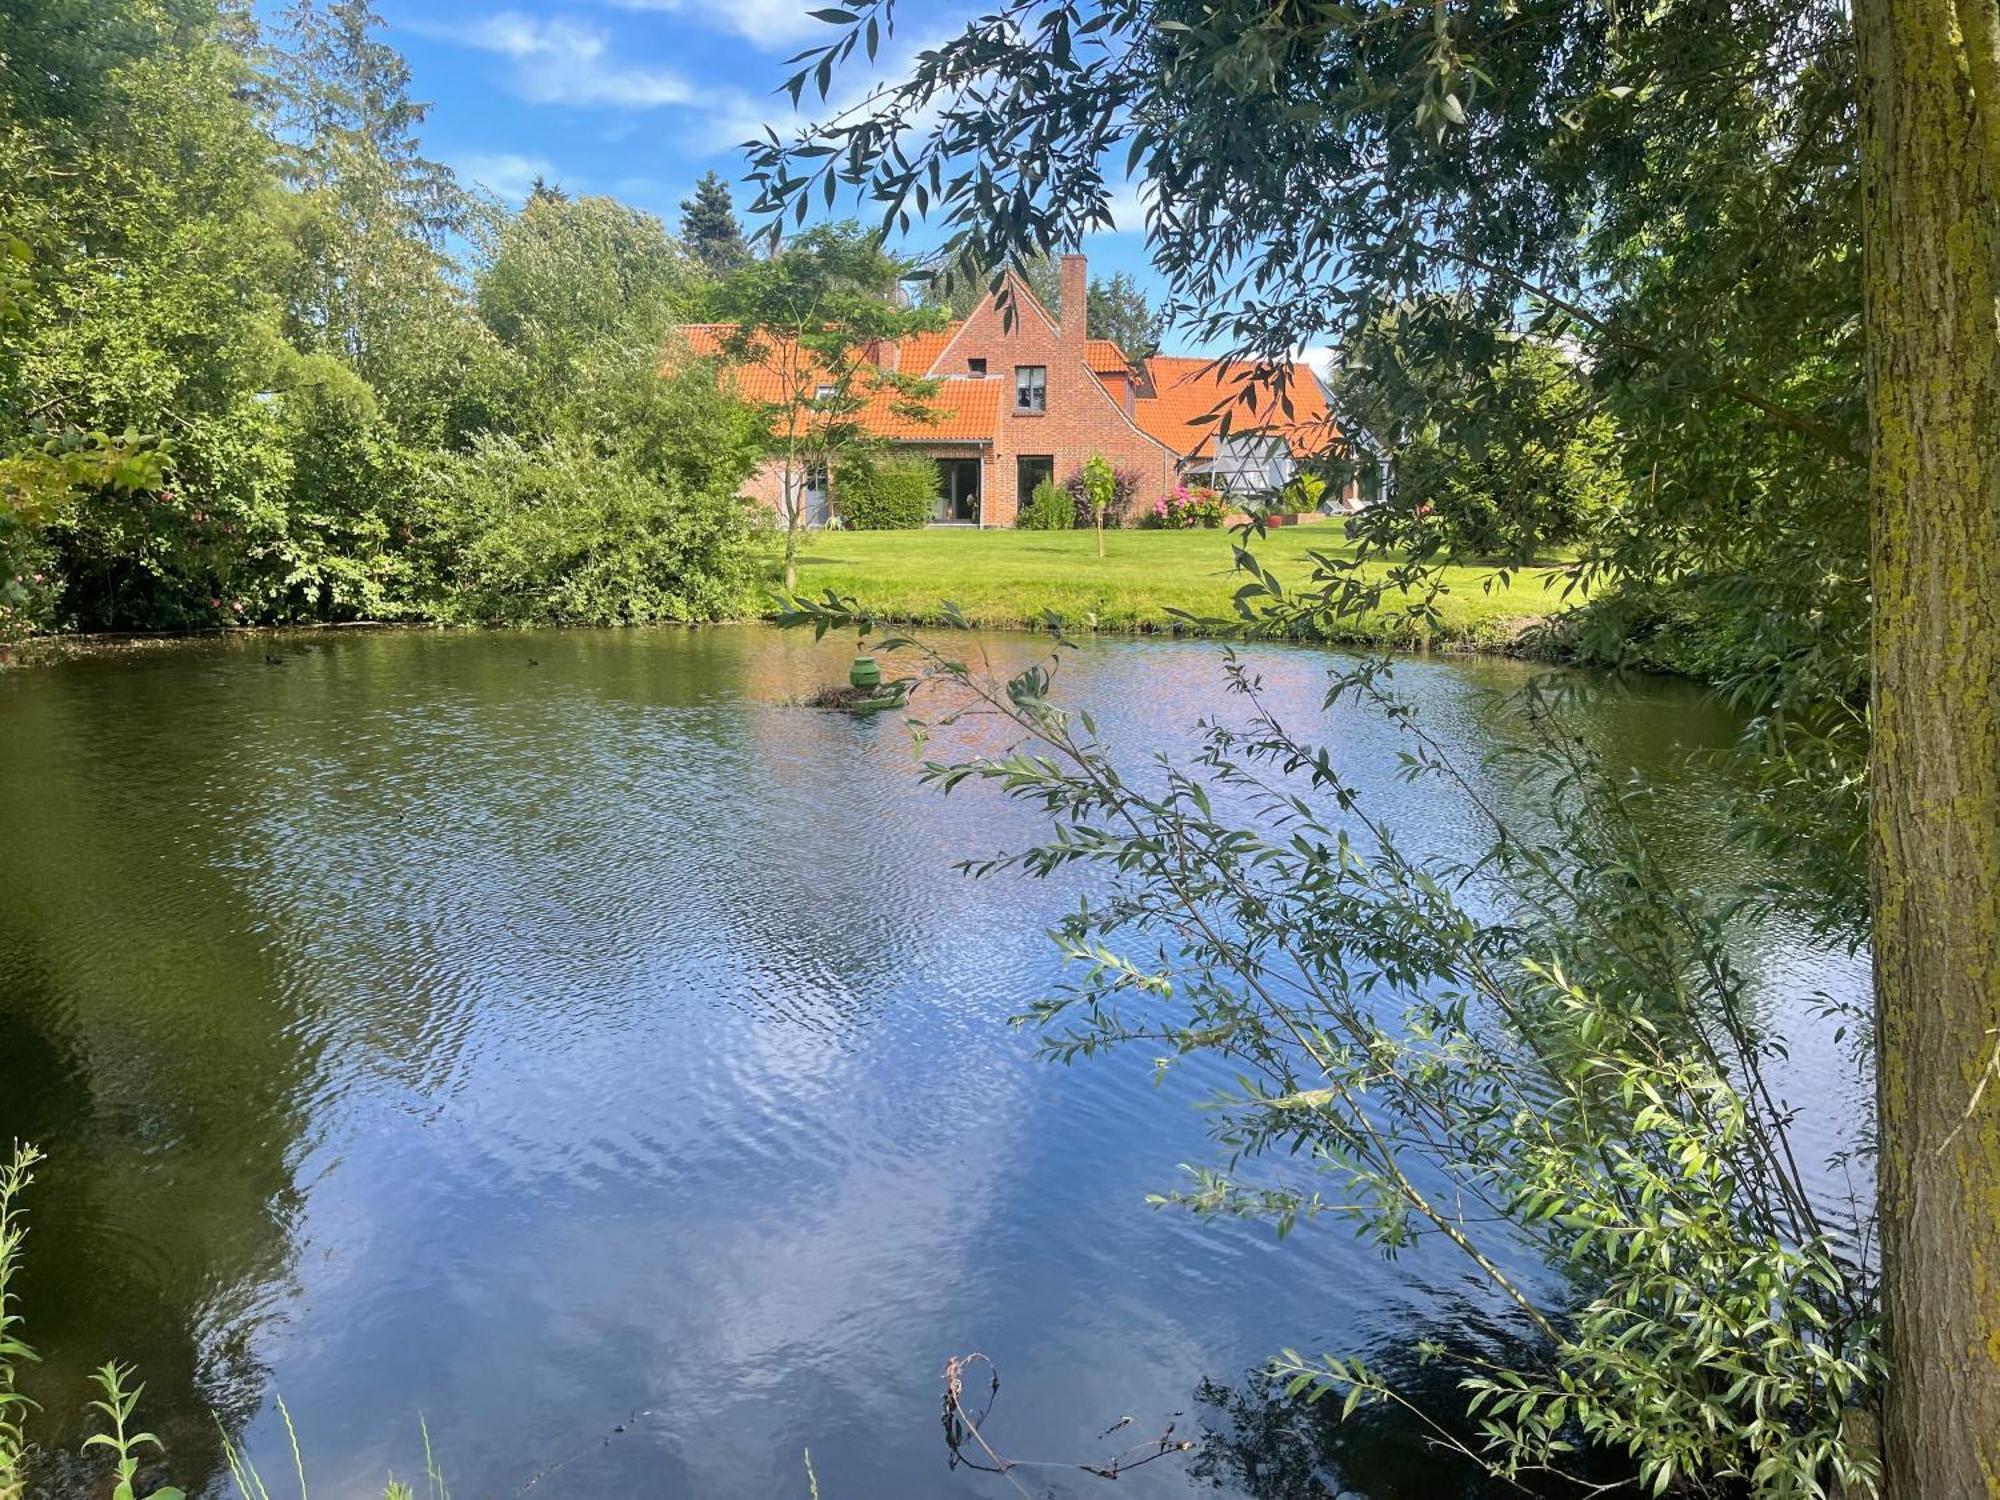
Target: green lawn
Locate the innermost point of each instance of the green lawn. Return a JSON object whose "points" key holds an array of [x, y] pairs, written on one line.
{"points": [[1007, 578]]}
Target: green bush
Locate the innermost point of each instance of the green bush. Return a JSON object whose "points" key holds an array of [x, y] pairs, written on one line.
{"points": [[560, 534], [885, 494], [1048, 509]]}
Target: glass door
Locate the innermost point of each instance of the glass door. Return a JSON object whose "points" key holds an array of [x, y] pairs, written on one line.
{"points": [[958, 492]]}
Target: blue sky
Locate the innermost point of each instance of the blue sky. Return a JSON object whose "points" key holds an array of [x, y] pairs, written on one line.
{"points": [[636, 98]]}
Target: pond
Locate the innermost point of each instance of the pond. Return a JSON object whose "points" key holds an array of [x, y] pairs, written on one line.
{"points": [[562, 1041]]}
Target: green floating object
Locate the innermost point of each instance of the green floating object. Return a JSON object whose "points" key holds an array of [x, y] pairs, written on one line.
{"points": [[865, 673], [876, 704]]}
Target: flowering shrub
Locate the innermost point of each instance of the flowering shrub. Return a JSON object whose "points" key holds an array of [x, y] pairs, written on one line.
{"points": [[1184, 508]]}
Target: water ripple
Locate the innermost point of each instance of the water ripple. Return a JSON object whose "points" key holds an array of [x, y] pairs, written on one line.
{"points": [[603, 1060]]}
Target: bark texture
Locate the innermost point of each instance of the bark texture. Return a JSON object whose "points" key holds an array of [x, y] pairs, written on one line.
{"points": [[1934, 407]]}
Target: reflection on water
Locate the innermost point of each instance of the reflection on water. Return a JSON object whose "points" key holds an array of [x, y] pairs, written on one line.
{"points": [[600, 1058]]}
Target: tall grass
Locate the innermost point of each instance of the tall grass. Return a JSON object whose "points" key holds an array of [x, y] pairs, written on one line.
{"points": [[15, 1175], [118, 1404]]}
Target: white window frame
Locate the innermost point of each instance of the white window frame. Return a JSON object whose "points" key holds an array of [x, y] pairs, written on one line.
{"points": [[1031, 382]]}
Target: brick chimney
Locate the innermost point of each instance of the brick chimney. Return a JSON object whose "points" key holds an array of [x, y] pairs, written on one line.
{"points": [[1075, 300]]}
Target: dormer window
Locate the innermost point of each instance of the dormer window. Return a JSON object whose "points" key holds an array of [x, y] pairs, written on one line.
{"points": [[976, 368], [1031, 388]]}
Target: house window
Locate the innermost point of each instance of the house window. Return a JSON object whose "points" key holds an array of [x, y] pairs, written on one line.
{"points": [[976, 368], [824, 392], [1031, 469], [1031, 388]]}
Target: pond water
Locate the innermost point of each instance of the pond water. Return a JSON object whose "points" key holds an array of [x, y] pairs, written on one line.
{"points": [[559, 1039]]}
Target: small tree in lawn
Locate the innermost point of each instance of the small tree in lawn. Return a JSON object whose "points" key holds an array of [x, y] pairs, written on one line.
{"points": [[1100, 485], [814, 317]]}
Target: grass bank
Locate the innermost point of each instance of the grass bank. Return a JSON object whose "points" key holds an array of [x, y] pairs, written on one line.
{"points": [[1007, 579]]}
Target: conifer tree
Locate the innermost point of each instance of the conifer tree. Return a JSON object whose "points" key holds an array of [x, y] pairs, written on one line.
{"points": [[709, 228]]}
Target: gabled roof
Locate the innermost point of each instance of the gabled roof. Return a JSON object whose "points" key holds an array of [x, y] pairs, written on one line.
{"points": [[1106, 358], [1173, 395], [1185, 391], [765, 377], [961, 411], [921, 350]]}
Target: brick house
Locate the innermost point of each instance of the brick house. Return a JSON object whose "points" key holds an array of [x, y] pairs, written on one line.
{"points": [[1018, 404]]}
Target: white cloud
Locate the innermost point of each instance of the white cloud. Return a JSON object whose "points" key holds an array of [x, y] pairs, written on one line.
{"points": [[744, 117], [1323, 358], [770, 25], [505, 174], [1128, 204], [562, 61]]}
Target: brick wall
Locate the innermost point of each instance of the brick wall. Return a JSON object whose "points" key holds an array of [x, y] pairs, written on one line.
{"points": [[766, 486], [1082, 418]]}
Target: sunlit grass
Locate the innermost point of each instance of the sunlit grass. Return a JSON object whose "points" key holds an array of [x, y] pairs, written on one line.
{"points": [[1008, 578]]}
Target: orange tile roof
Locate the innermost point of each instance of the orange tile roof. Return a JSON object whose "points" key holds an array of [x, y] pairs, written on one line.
{"points": [[957, 411], [1182, 392], [1106, 358], [917, 353], [1187, 390], [770, 375], [921, 350], [960, 411]]}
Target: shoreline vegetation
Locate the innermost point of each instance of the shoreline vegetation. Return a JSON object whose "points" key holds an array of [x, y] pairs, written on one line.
{"points": [[1009, 580]]}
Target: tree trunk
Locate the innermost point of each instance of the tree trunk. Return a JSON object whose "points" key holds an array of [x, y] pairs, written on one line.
{"points": [[1933, 355], [793, 486]]}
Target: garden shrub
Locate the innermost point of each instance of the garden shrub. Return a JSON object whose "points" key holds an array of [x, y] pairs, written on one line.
{"points": [[885, 494], [1124, 493], [28, 590], [1048, 509], [1303, 493], [561, 534]]}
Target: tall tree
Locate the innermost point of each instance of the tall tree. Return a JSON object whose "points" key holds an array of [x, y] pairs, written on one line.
{"points": [[709, 228], [1931, 115], [1676, 198], [136, 175], [346, 109], [567, 278], [1120, 312], [812, 319], [372, 216]]}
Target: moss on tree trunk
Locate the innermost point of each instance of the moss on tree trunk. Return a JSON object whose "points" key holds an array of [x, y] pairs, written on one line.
{"points": [[1934, 408]]}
